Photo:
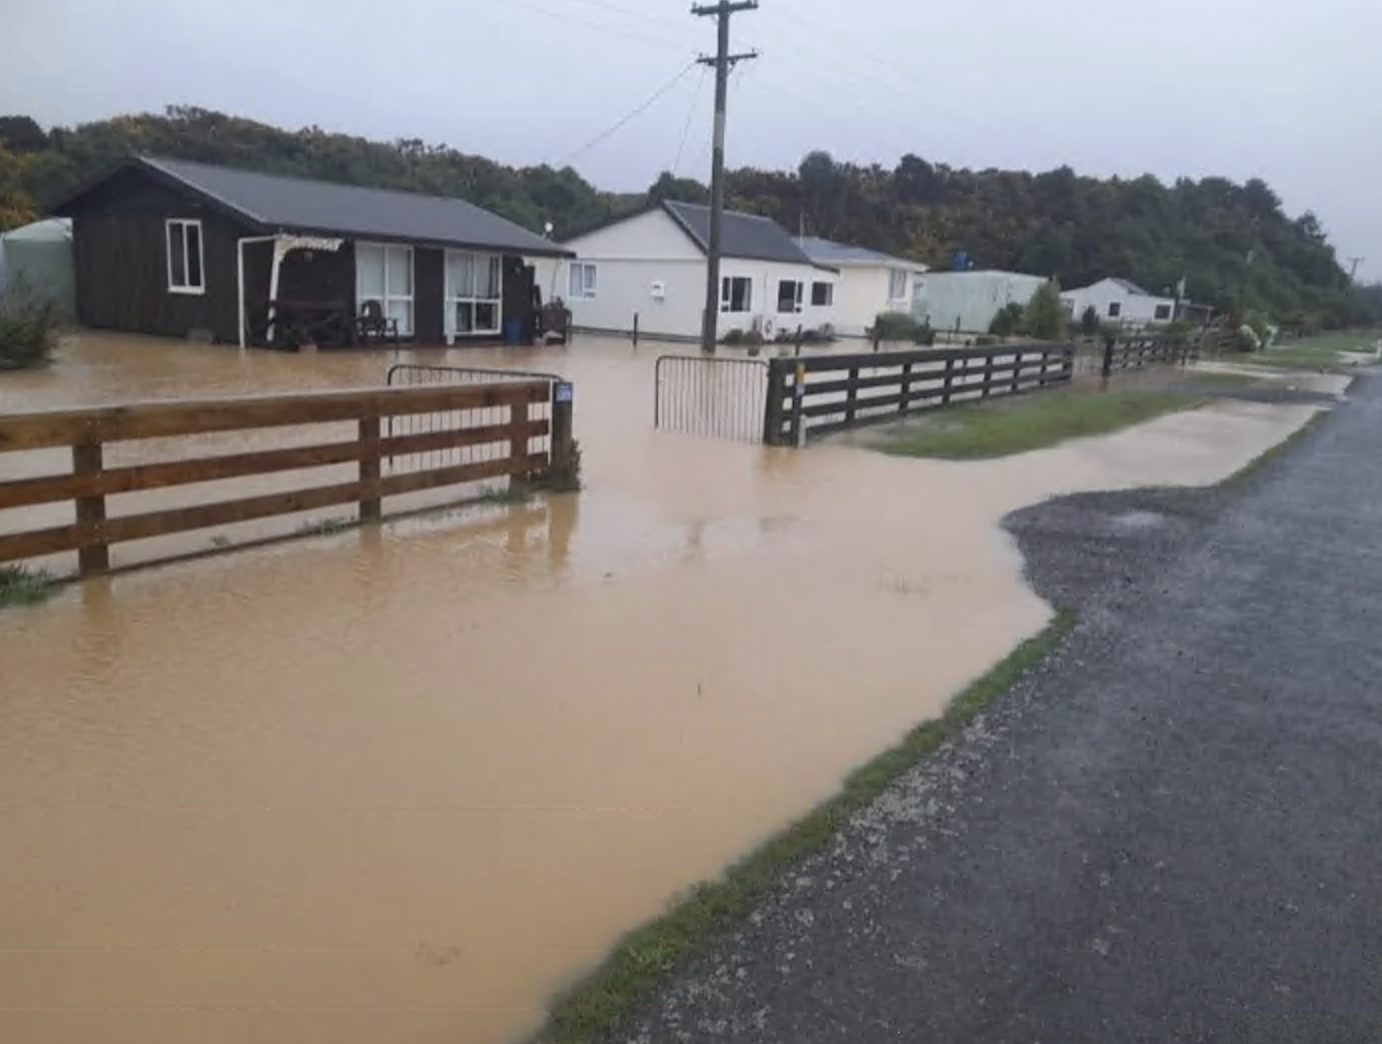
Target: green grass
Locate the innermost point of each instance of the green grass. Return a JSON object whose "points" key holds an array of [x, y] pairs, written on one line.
{"points": [[999, 428], [597, 1005], [1316, 353], [326, 527], [20, 586]]}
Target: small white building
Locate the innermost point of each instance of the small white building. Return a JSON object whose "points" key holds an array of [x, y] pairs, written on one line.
{"points": [[966, 302], [869, 283], [653, 265], [1120, 301]]}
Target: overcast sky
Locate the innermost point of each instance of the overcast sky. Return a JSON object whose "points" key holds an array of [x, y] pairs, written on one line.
{"points": [[1283, 89]]}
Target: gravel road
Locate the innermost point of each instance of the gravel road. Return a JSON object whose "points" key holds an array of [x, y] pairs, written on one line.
{"points": [[1170, 831]]}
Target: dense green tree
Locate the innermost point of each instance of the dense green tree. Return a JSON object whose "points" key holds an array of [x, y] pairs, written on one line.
{"points": [[1233, 244]]}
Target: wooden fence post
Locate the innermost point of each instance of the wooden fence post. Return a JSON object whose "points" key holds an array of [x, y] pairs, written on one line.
{"points": [[87, 459], [1107, 370], [798, 402], [564, 465], [773, 414], [371, 471], [949, 385], [852, 395], [518, 444], [635, 329], [906, 388]]}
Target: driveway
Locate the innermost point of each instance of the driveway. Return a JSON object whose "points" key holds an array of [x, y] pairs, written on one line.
{"points": [[1171, 831]]}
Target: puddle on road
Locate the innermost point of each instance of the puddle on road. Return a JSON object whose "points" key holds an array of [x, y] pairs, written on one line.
{"points": [[399, 785]]}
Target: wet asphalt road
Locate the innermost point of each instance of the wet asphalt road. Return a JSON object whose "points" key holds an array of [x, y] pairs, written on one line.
{"points": [[1171, 831]]}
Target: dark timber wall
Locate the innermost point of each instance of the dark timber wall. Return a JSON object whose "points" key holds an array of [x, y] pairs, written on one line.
{"points": [[121, 257]]}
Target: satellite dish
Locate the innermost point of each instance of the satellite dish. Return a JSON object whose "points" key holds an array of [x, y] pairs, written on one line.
{"points": [[547, 228]]}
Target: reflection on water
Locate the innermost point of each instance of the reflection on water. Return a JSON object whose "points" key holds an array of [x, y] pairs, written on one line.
{"points": [[399, 784]]}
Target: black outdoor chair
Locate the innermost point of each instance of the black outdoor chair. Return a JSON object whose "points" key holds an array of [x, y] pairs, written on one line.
{"points": [[373, 326]]}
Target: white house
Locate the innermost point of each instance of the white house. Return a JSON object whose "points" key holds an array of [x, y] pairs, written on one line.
{"points": [[653, 265], [1120, 301], [966, 302], [869, 282]]}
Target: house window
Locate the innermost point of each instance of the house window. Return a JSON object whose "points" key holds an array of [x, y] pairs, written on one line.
{"points": [[789, 295], [185, 272], [897, 284], [474, 292], [736, 294], [583, 279], [822, 295], [1163, 312], [1115, 309], [385, 274]]}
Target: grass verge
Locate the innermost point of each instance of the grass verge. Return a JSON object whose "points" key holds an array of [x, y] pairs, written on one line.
{"points": [[1000, 428], [597, 1005], [1316, 353], [20, 586], [1270, 454]]}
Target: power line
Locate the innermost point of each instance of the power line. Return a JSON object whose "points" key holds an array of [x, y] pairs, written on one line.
{"points": [[690, 118], [600, 27], [648, 104], [629, 12]]}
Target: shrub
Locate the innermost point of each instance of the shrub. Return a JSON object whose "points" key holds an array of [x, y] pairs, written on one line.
{"points": [[895, 326], [1089, 322], [28, 330], [924, 335], [1248, 341], [751, 339], [1009, 321], [735, 336], [985, 341], [1045, 318]]}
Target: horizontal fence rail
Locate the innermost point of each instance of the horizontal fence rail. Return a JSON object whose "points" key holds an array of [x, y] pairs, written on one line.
{"points": [[818, 395], [704, 395], [1138, 353], [349, 427]]}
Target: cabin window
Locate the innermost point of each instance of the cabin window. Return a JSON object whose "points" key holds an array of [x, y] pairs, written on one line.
{"points": [[822, 295], [385, 274], [789, 293], [736, 294], [185, 272], [584, 279], [897, 284], [474, 293], [1115, 309], [1163, 312]]}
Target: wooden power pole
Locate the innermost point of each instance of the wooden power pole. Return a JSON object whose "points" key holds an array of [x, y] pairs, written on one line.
{"points": [[722, 63]]}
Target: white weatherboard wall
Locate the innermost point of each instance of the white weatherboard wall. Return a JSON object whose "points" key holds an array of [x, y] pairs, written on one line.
{"points": [[1132, 307], [648, 266], [970, 300], [863, 292]]}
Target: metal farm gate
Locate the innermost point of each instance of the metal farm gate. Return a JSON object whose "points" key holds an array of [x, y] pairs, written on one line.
{"points": [[408, 375], [704, 395]]}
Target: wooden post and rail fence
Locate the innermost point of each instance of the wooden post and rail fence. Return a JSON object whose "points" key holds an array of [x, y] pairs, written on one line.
{"points": [[818, 395], [493, 416]]}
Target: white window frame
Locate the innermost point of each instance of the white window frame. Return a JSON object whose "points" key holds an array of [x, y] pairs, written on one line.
{"points": [[897, 277], [457, 295], [727, 295], [1162, 313], [1115, 309], [583, 283], [799, 294], [186, 286], [829, 301], [390, 295]]}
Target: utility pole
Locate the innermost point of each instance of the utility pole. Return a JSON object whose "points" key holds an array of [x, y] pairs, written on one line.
{"points": [[1353, 271], [723, 62]]}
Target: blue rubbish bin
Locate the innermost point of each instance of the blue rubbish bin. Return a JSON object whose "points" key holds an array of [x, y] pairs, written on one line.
{"points": [[513, 331]]}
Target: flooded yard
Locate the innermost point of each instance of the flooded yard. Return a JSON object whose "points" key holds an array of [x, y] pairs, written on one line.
{"points": [[399, 784]]}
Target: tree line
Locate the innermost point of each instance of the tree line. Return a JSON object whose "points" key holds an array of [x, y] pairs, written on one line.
{"points": [[1232, 243]]}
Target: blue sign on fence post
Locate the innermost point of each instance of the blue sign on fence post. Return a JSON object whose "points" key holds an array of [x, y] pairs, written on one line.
{"points": [[564, 392]]}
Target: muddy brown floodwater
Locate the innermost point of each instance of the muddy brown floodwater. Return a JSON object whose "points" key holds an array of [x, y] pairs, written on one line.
{"points": [[399, 785]]}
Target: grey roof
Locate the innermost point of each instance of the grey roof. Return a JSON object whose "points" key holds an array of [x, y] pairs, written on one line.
{"points": [[1131, 287], [745, 236], [275, 202], [831, 253]]}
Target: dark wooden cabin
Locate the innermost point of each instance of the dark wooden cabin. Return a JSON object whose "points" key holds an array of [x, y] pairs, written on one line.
{"points": [[188, 249]]}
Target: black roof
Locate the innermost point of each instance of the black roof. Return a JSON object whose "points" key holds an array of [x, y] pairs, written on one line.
{"points": [[745, 236], [278, 203]]}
